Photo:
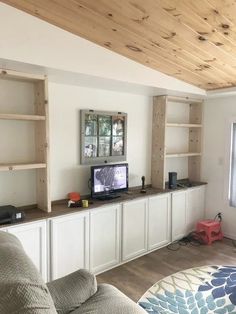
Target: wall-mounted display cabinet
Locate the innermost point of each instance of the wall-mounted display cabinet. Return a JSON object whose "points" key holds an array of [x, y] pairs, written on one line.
{"points": [[103, 136], [176, 138], [24, 127]]}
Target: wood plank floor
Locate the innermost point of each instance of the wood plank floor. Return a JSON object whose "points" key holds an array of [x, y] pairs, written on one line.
{"points": [[135, 277]]}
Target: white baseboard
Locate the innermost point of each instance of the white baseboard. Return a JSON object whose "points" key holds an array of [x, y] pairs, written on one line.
{"points": [[230, 236]]}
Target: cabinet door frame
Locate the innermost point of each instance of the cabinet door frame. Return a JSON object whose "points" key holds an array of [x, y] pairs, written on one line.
{"points": [[163, 243], [127, 257], [178, 237], [201, 211], [116, 261], [42, 226], [53, 240]]}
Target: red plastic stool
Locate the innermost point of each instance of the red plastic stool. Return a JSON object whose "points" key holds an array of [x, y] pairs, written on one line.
{"points": [[209, 230]]}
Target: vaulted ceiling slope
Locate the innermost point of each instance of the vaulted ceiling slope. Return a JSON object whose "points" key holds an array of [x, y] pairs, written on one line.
{"points": [[194, 41]]}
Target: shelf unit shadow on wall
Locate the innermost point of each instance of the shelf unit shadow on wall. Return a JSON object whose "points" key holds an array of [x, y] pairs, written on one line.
{"points": [[39, 117], [176, 138]]}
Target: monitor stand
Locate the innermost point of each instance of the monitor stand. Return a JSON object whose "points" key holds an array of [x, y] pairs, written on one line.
{"points": [[107, 197]]}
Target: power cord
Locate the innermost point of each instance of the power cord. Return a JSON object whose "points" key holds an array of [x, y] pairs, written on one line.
{"points": [[193, 238]]}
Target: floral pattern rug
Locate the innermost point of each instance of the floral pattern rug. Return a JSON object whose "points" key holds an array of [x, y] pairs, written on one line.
{"points": [[201, 290]]}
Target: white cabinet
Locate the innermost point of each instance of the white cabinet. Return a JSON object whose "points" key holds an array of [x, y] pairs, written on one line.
{"points": [[69, 244], [188, 207], [178, 215], [104, 238], [195, 209], [33, 237], [134, 228], [159, 221]]}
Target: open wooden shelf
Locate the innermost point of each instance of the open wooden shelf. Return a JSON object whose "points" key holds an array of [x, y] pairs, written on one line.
{"points": [[26, 117], [174, 155], [37, 113], [170, 145], [184, 125], [21, 166]]}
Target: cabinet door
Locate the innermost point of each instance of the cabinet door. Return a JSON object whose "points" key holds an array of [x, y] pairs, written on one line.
{"points": [[134, 229], [195, 206], [104, 238], [178, 215], [158, 221], [69, 244], [33, 237]]}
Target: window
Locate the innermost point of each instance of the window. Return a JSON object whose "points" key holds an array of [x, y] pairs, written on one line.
{"points": [[232, 183]]}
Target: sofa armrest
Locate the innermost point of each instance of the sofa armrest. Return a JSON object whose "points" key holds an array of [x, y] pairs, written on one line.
{"points": [[69, 292]]}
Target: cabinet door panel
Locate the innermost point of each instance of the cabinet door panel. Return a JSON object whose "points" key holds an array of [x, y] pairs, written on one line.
{"points": [[104, 238], [178, 215], [158, 221], [69, 244], [195, 207], [34, 241], [134, 229]]}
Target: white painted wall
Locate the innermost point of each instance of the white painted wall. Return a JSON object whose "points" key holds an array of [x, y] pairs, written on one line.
{"points": [[16, 143], [218, 114], [65, 103]]}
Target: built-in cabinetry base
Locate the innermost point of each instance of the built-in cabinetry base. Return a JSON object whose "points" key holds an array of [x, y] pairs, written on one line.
{"points": [[102, 238]]}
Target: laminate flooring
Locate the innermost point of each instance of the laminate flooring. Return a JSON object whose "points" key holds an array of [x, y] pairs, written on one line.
{"points": [[135, 277]]}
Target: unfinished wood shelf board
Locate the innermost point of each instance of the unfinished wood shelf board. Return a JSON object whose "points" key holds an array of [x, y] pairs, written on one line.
{"points": [[21, 166], [24, 117], [21, 76], [159, 137], [40, 85], [183, 125], [176, 155]]}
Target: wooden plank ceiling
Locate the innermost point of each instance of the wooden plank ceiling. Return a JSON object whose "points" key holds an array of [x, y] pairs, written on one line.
{"points": [[194, 41]]}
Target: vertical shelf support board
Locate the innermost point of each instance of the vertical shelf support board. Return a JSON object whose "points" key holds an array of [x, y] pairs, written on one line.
{"points": [[158, 142]]}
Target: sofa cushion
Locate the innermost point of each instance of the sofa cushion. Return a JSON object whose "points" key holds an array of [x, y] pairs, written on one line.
{"points": [[22, 290], [109, 300], [71, 291]]}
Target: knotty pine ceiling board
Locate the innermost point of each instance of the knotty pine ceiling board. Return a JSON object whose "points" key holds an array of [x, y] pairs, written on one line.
{"points": [[194, 41]]}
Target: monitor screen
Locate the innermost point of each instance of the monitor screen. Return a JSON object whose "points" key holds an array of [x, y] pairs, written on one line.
{"points": [[109, 178]]}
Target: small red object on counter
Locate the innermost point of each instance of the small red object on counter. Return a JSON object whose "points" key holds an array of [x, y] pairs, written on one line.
{"points": [[74, 196]]}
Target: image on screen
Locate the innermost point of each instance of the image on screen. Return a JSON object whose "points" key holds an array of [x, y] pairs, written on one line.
{"points": [[110, 178]]}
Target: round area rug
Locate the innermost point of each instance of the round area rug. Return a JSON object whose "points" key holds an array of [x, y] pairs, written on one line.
{"points": [[201, 290]]}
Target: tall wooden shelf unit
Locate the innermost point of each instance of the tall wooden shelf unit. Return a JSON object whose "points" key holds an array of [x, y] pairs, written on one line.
{"points": [[40, 119], [162, 122]]}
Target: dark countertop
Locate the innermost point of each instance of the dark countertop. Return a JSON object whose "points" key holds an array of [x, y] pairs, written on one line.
{"points": [[60, 207]]}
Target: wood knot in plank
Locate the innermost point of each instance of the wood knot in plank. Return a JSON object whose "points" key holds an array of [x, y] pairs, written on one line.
{"points": [[210, 60], [169, 9], [225, 26], [203, 33], [107, 44], [202, 38], [134, 48], [140, 21], [173, 34], [155, 43]]}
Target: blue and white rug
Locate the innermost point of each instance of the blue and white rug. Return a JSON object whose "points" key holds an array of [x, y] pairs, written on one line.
{"points": [[201, 290]]}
